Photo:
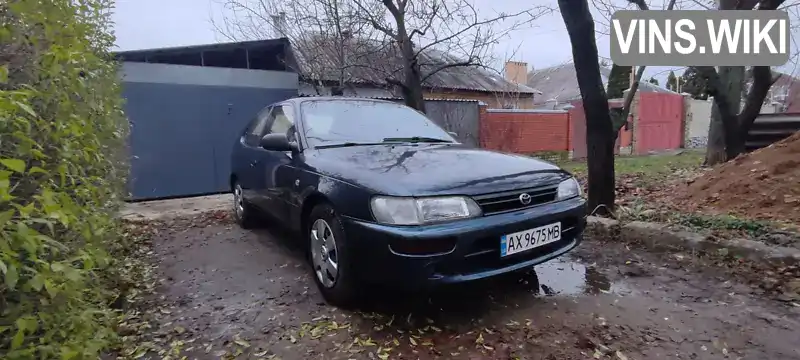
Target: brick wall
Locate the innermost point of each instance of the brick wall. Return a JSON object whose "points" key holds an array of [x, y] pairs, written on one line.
{"points": [[524, 131]]}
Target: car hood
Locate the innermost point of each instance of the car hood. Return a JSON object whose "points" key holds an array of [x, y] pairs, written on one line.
{"points": [[432, 169]]}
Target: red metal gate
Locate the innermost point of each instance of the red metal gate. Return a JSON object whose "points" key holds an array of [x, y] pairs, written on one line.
{"points": [[577, 129], [660, 124]]}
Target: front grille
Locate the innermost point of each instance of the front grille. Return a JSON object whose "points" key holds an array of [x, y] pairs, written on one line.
{"points": [[510, 200]]}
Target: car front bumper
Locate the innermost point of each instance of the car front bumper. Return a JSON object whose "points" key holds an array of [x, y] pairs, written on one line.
{"points": [[476, 251]]}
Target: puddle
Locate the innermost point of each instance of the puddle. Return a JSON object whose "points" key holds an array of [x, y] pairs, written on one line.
{"points": [[565, 277]]}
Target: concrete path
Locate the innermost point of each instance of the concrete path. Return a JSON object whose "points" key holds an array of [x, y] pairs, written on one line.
{"points": [[172, 208]]}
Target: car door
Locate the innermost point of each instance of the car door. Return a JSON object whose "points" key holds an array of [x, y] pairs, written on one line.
{"points": [[252, 154], [275, 166]]}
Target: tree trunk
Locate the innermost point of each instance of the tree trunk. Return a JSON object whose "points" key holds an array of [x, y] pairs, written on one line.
{"points": [[723, 131], [412, 74], [762, 81], [599, 132], [413, 84], [728, 129], [715, 144]]}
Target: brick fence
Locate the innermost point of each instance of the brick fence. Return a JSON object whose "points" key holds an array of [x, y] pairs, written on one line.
{"points": [[525, 131]]}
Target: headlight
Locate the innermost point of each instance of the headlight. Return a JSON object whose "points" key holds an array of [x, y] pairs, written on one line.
{"points": [[568, 189], [416, 211]]}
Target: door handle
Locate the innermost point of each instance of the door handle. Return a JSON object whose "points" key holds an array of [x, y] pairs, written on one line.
{"points": [[253, 163]]}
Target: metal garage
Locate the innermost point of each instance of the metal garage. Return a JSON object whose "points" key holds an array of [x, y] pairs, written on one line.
{"points": [[188, 105]]}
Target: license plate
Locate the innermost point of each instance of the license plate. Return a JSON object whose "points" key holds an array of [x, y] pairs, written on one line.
{"points": [[529, 239]]}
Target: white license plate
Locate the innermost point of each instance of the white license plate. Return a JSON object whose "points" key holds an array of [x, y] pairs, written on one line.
{"points": [[529, 239]]}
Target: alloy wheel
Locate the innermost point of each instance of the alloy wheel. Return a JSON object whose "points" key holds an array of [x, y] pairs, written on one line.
{"points": [[323, 253]]}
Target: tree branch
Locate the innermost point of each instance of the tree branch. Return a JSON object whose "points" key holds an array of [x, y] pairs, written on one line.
{"points": [[641, 4], [626, 105], [429, 25], [762, 81], [769, 4], [392, 8], [475, 24], [374, 22], [619, 119]]}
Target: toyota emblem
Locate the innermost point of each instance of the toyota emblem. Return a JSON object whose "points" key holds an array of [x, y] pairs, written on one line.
{"points": [[525, 199]]}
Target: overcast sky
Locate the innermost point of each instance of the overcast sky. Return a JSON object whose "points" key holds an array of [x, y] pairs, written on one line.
{"points": [[144, 24]]}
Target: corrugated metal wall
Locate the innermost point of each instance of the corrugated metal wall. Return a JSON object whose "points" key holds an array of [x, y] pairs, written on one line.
{"points": [[185, 119], [771, 128]]}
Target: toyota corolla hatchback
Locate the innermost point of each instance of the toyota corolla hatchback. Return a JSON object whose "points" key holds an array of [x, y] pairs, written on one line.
{"points": [[382, 194]]}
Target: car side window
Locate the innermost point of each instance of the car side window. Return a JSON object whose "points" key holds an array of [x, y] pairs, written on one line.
{"points": [[257, 127], [282, 122]]}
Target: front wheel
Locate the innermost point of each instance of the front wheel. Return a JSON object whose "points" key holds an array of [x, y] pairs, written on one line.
{"points": [[329, 258]]}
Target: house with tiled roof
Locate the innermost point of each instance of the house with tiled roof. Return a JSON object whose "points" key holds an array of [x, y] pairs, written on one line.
{"points": [[368, 68], [559, 85]]}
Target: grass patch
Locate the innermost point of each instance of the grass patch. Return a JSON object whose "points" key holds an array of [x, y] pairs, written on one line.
{"points": [[557, 157], [648, 165], [640, 211]]}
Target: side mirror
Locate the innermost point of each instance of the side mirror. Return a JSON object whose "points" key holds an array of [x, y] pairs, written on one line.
{"points": [[453, 134], [277, 142]]}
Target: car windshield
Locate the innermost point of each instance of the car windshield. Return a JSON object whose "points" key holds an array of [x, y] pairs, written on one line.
{"points": [[356, 122]]}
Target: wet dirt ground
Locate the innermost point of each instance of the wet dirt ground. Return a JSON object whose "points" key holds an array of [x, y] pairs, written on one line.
{"points": [[232, 292]]}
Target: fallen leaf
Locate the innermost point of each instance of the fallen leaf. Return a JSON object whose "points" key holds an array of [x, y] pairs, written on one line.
{"points": [[242, 343]]}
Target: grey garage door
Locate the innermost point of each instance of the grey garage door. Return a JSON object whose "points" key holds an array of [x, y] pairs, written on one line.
{"points": [[185, 119]]}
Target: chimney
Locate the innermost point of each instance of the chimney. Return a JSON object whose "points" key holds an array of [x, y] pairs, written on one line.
{"points": [[516, 72], [279, 24]]}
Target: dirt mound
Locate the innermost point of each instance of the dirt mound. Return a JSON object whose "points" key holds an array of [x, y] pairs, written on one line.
{"points": [[764, 184]]}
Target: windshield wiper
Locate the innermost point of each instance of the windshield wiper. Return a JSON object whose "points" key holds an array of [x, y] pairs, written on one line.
{"points": [[346, 144], [416, 139]]}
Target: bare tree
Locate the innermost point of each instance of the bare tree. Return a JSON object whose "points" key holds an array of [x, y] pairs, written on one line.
{"points": [[729, 126], [602, 124], [325, 34], [599, 133], [434, 35]]}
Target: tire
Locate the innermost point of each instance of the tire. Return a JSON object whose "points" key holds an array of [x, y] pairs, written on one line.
{"points": [[338, 289], [246, 215]]}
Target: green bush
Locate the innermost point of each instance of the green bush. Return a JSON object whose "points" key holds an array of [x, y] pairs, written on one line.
{"points": [[62, 134]]}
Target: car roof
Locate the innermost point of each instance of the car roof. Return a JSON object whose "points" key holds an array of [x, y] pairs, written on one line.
{"points": [[299, 100]]}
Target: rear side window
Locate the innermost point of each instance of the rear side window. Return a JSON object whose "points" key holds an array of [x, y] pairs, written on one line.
{"points": [[282, 122], [257, 127]]}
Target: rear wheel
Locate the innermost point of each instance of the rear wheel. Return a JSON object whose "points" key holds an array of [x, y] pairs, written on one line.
{"points": [[246, 215], [329, 258]]}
